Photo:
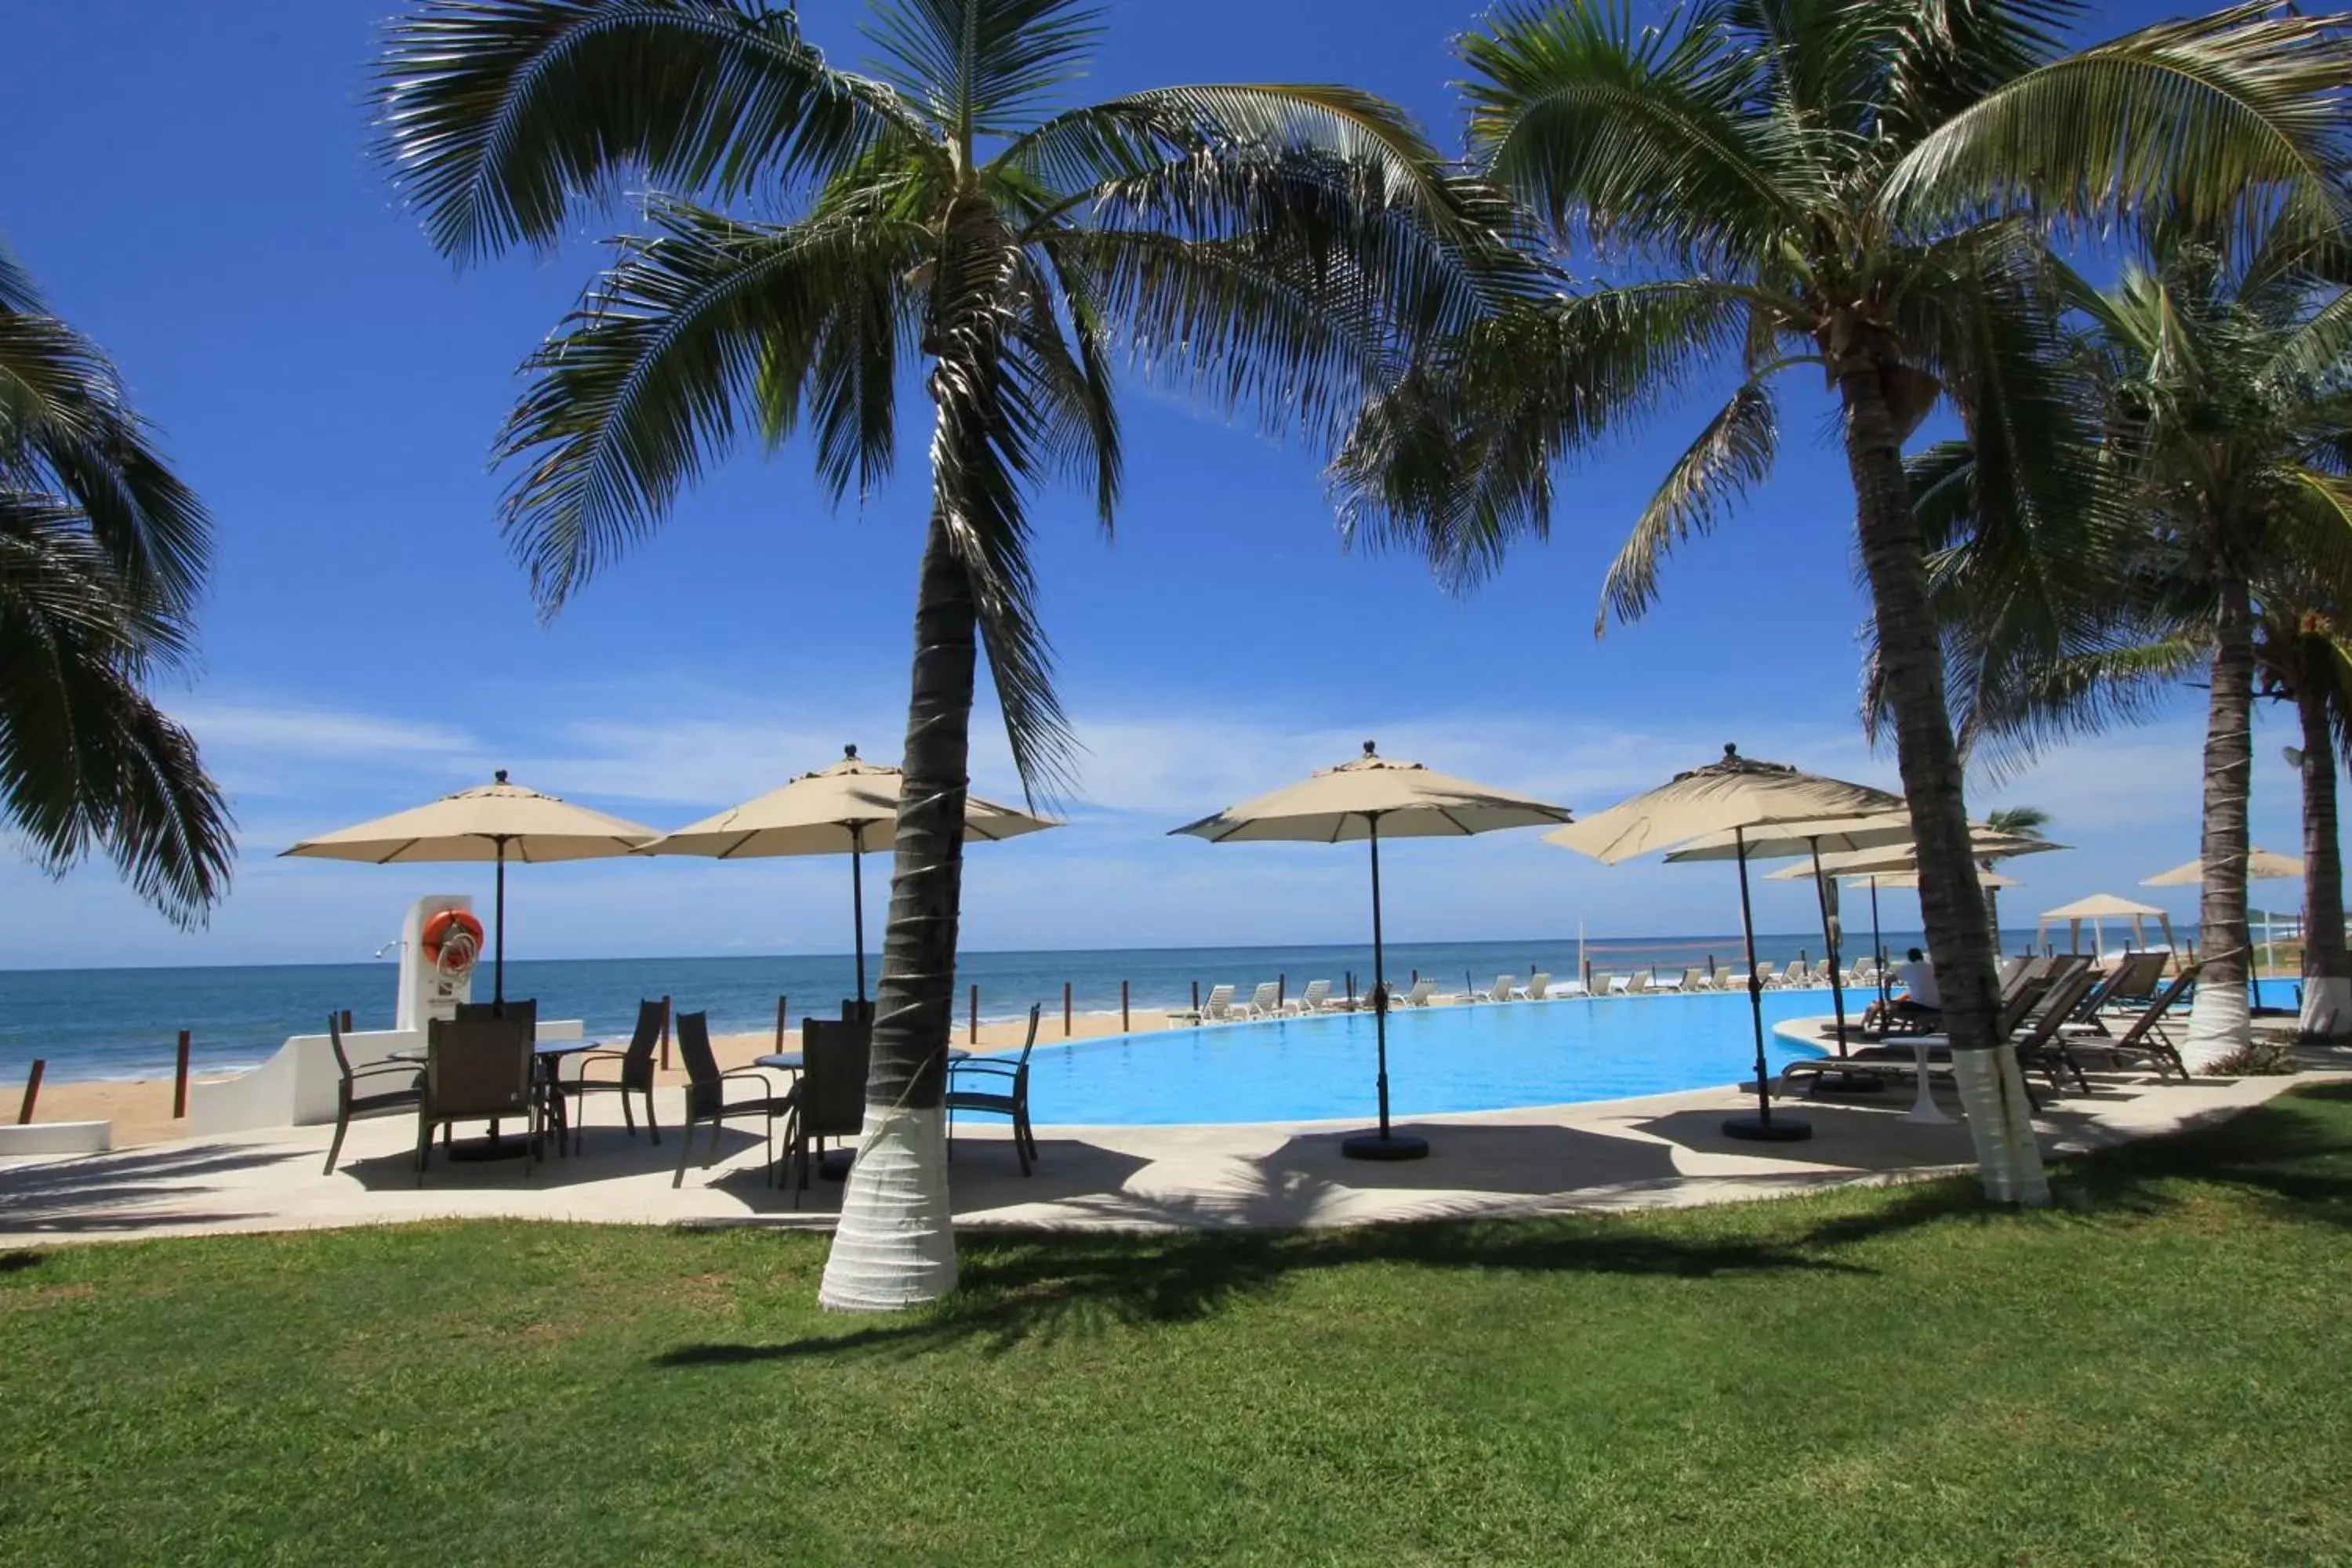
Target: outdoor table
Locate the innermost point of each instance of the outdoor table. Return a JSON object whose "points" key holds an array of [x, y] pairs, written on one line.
{"points": [[547, 1060]]}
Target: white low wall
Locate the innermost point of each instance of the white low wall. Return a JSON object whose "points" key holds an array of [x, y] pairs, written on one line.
{"points": [[56, 1138], [297, 1085]]}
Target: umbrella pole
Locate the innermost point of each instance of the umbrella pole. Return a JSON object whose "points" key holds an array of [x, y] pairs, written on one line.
{"points": [[1761, 1127], [1830, 942], [1877, 947], [1383, 1145], [498, 963], [857, 898]]}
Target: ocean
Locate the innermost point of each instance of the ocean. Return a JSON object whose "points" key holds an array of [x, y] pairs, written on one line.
{"points": [[123, 1023]]}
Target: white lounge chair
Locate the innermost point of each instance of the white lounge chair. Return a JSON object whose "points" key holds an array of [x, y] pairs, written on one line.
{"points": [[1603, 983], [1769, 972], [1216, 1009], [1798, 973], [1694, 979], [1423, 990], [1539, 986], [1506, 986], [1310, 1000], [1265, 1001]]}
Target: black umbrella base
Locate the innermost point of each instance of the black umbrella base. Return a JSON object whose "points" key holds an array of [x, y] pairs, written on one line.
{"points": [[1384, 1146], [1755, 1129], [472, 1150]]}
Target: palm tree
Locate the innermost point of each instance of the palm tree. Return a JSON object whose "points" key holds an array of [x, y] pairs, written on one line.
{"points": [[1262, 243], [2304, 657], [102, 554], [2023, 821], [1861, 187]]}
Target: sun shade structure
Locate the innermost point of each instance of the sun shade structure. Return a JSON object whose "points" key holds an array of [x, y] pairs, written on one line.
{"points": [[846, 809], [1372, 798], [496, 822], [1738, 795], [2097, 909], [2262, 865]]}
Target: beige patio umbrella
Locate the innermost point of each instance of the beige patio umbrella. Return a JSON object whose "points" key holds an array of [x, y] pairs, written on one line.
{"points": [[496, 822], [1885, 865], [832, 811], [2096, 909], [2262, 865], [1736, 796], [1370, 798]]}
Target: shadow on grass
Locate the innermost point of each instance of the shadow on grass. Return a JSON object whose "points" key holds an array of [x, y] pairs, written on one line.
{"points": [[17, 1262], [1027, 1287], [2294, 1154]]}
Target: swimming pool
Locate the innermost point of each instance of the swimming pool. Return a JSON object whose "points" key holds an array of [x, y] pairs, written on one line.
{"points": [[1440, 1059]]}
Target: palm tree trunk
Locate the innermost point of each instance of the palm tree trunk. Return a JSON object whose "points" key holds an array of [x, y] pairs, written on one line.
{"points": [[2218, 1022], [2327, 969], [1951, 903], [896, 1243]]}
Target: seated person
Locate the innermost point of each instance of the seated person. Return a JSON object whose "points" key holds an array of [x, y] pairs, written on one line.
{"points": [[1921, 1006]]}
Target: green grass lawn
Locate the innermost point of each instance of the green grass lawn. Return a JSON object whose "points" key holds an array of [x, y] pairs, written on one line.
{"points": [[2158, 1370]]}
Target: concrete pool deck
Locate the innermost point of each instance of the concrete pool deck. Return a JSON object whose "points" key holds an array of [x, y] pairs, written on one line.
{"points": [[1661, 1151]]}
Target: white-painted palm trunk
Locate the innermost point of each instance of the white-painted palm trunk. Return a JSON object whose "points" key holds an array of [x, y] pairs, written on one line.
{"points": [[895, 1247], [2220, 1024], [2001, 1123], [2326, 1006]]}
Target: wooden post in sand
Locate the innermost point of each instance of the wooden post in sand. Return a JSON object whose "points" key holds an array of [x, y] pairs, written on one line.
{"points": [[1123, 1006], [972, 1036], [347, 1020], [1065, 1009], [1281, 991], [1196, 1001], [665, 1031], [32, 1090], [180, 1079]]}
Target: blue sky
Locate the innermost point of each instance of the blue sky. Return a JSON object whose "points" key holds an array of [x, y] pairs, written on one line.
{"points": [[192, 186]]}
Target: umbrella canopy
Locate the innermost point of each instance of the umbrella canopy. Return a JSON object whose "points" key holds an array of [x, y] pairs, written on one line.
{"points": [[1738, 796], [838, 810], [2099, 908], [496, 822], [1735, 794], [1896, 861], [1342, 803], [2262, 865], [1372, 797], [1891, 877], [1792, 840]]}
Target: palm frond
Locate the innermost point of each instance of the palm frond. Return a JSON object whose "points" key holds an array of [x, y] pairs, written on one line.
{"points": [[1621, 134], [2220, 123], [981, 67], [496, 116], [86, 757], [1732, 453], [1454, 458], [1943, 58], [650, 379]]}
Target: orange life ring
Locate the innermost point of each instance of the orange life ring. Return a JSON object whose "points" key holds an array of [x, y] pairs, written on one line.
{"points": [[452, 941]]}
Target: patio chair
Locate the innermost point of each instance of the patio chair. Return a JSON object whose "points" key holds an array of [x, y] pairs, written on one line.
{"points": [[2145, 1039], [1002, 1090], [1694, 979], [478, 1069], [829, 1101], [1539, 985], [371, 1090], [1769, 974], [2131, 984], [706, 1094], [1506, 986], [1310, 1000], [1423, 990], [632, 1070], [1219, 1005], [1863, 973], [523, 1010], [1602, 983], [1265, 1001]]}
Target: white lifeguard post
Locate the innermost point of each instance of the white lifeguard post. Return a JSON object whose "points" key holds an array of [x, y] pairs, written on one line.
{"points": [[298, 1085], [426, 991]]}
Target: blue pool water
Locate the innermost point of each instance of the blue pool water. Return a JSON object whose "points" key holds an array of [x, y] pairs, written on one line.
{"points": [[1440, 1059]]}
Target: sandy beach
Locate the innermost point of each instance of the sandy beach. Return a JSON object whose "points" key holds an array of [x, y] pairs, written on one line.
{"points": [[142, 1110]]}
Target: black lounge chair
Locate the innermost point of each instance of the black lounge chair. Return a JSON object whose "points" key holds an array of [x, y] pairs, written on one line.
{"points": [[1891, 1061], [706, 1094], [632, 1073], [371, 1090], [478, 1069], [829, 1101], [2145, 1039], [1003, 1091]]}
